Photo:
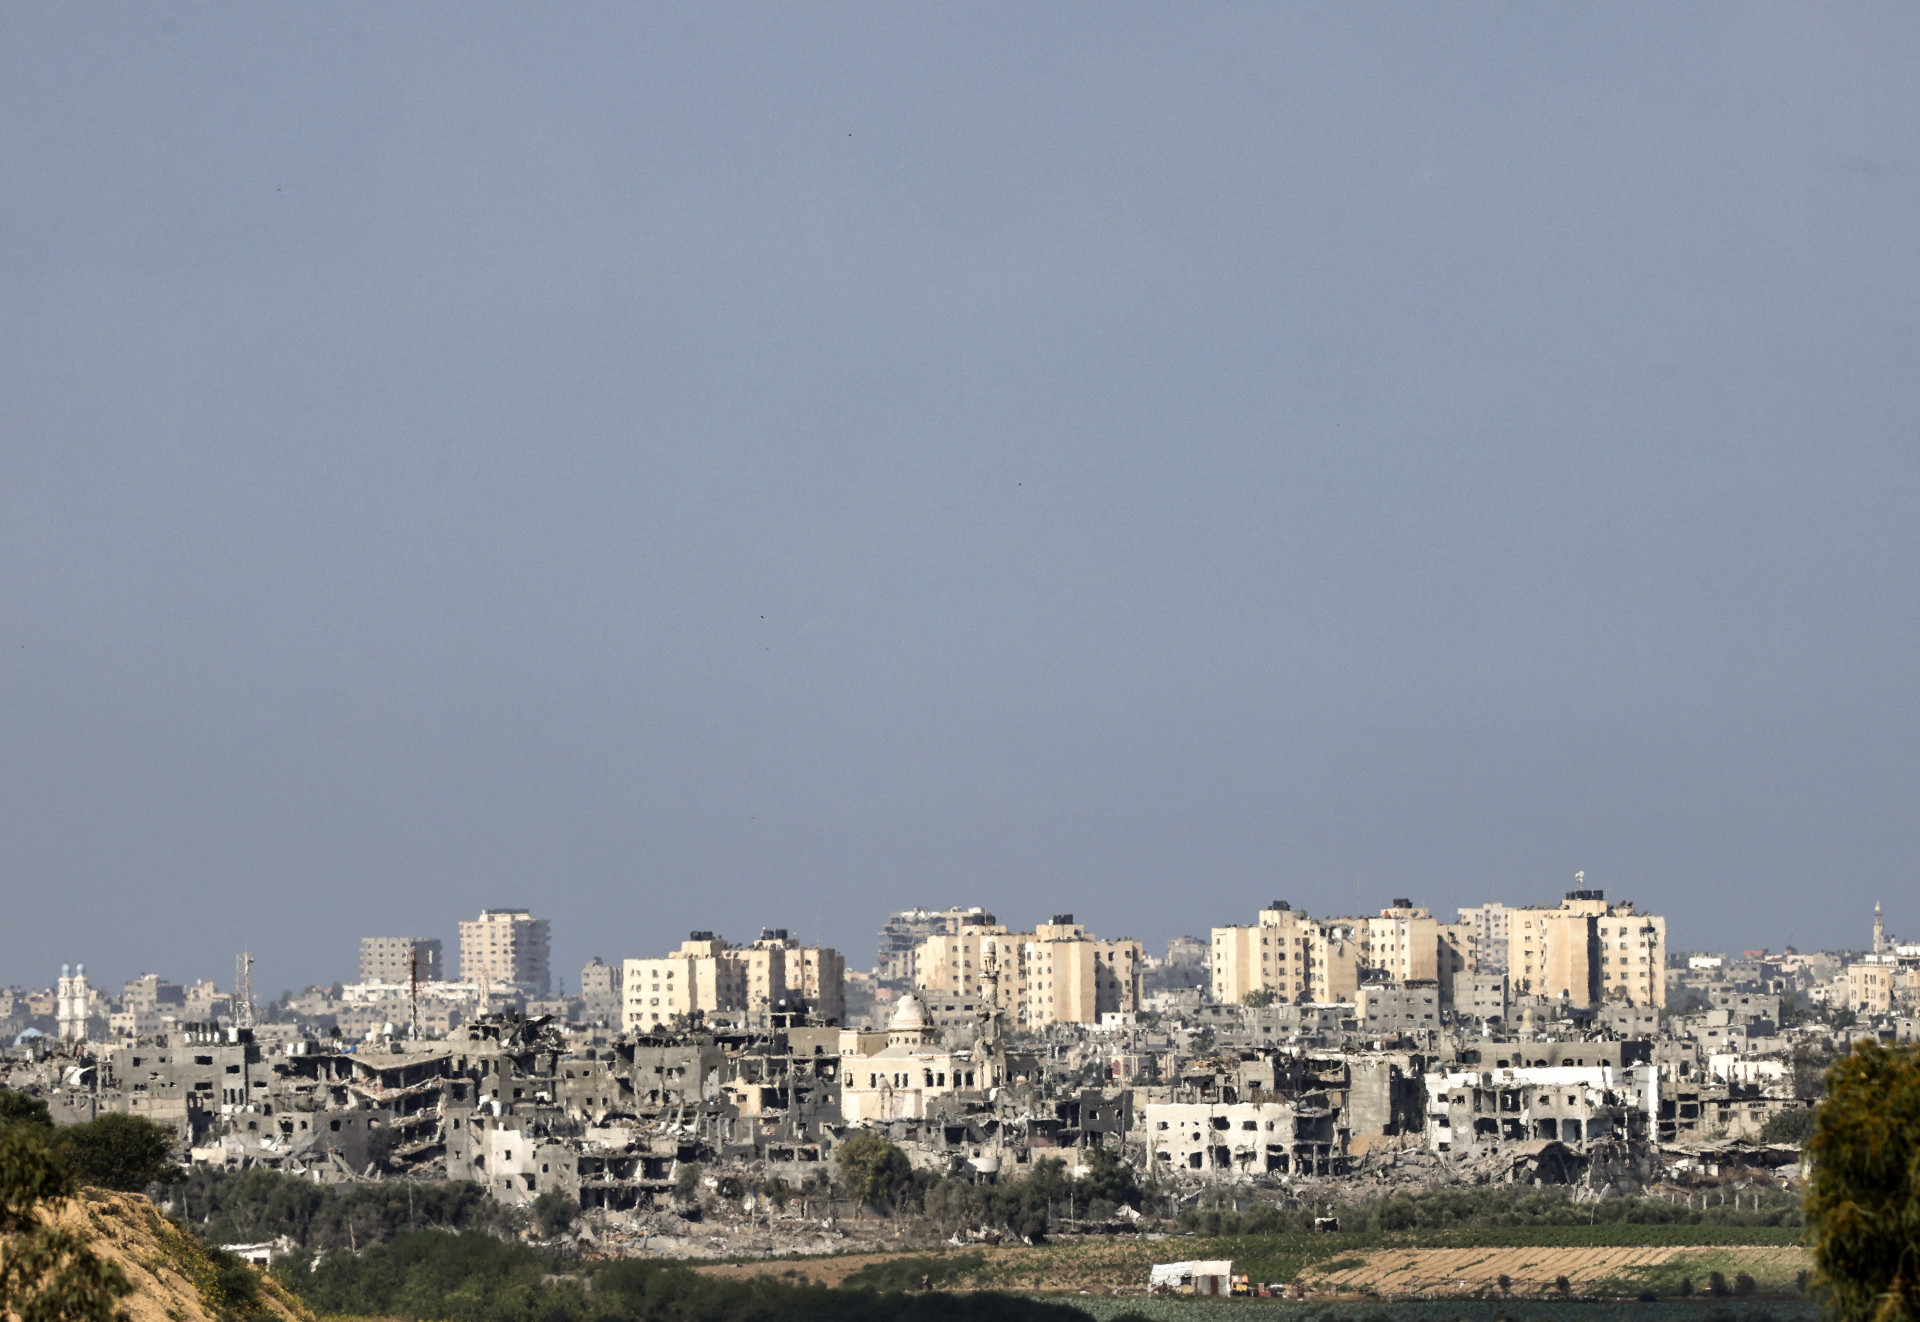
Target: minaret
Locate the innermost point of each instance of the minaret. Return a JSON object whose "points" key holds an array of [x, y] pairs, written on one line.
{"points": [[72, 1005], [1879, 931]]}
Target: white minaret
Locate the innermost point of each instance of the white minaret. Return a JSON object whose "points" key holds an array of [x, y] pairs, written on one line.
{"points": [[71, 1012], [1879, 931]]}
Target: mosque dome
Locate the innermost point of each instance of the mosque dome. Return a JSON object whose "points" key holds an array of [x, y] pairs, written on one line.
{"points": [[910, 1015]]}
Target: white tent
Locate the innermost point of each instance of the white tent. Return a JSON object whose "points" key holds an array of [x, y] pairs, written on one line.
{"points": [[1214, 1277]]}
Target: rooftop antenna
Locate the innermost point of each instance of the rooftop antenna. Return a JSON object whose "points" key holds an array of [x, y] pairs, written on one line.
{"points": [[243, 988]]}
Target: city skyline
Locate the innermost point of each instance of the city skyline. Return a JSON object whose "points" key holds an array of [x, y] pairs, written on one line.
{"points": [[565, 969]]}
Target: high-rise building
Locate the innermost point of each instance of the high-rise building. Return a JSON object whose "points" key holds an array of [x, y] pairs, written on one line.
{"points": [[506, 948], [708, 974], [1401, 943], [400, 960], [1587, 950], [1488, 924], [823, 982], [903, 932], [778, 967], [702, 975], [1278, 955], [1055, 974]]}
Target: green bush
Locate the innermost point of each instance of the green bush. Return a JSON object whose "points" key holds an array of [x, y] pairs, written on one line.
{"points": [[1865, 1188], [438, 1277], [122, 1152], [1795, 1126], [18, 1108], [229, 1207], [873, 1170], [555, 1212]]}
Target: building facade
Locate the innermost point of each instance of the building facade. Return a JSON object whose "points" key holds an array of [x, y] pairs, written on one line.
{"points": [[507, 947], [400, 959], [1292, 958], [1058, 973], [1587, 951]]}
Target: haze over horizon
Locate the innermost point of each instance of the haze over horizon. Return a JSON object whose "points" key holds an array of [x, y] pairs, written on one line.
{"points": [[724, 467]]}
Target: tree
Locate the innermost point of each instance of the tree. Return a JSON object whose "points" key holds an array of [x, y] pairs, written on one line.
{"points": [[1863, 1199], [686, 1180], [555, 1212], [1109, 1177], [47, 1273], [124, 1152], [1258, 997], [18, 1108], [1810, 1066], [1795, 1126], [872, 1169]]}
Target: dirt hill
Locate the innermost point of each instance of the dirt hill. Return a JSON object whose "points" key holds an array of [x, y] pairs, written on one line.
{"points": [[174, 1278]]}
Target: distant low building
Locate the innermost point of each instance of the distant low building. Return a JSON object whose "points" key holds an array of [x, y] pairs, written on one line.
{"points": [[600, 985]]}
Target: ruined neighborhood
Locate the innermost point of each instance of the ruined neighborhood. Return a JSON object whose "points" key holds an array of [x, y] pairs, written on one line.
{"points": [[1298, 1061]]}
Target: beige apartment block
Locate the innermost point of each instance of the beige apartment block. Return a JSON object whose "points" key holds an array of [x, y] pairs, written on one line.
{"points": [[1061, 976], [657, 992], [1285, 953], [1874, 983], [1236, 963], [763, 970], [707, 974], [1334, 961], [1403, 943], [950, 965], [823, 982], [506, 948], [1455, 958], [1056, 974], [1633, 956], [907, 930], [1587, 951], [1118, 968], [817, 974], [1548, 954]]}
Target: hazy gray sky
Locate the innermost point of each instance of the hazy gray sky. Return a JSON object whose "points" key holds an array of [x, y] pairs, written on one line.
{"points": [[724, 466]]}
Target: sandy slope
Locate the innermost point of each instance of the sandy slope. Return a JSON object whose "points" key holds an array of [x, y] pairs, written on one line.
{"points": [[171, 1273]]}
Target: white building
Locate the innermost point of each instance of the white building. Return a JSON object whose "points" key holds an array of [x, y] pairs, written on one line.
{"points": [[897, 1081]]}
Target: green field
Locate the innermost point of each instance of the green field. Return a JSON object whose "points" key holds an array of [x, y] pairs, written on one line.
{"points": [[1122, 1262], [1472, 1310]]}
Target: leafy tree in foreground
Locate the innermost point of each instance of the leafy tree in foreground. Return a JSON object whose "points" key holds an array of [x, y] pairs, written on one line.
{"points": [[124, 1152], [18, 1108], [47, 1273], [1863, 1200]]}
